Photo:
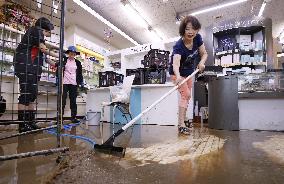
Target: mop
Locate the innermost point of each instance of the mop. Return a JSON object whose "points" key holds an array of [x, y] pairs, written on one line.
{"points": [[108, 147]]}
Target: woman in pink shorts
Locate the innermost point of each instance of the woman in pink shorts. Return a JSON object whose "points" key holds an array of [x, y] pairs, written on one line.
{"points": [[188, 53]]}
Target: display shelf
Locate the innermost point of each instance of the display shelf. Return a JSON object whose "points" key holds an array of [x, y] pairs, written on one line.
{"points": [[97, 64], [6, 62], [243, 52], [51, 45], [248, 64], [235, 41], [48, 71], [47, 81], [8, 28], [8, 50], [114, 55], [15, 110], [250, 52]]}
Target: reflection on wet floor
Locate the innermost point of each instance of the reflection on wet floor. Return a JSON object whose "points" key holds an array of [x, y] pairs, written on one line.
{"points": [[155, 154]]}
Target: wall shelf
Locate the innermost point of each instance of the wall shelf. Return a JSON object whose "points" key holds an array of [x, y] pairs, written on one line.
{"points": [[237, 40]]}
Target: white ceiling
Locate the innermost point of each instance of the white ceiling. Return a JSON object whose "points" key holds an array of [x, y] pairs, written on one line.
{"points": [[162, 14], [92, 25], [81, 18]]}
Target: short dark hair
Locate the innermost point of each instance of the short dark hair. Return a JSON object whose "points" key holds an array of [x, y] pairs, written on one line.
{"points": [[189, 19], [44, 23]]}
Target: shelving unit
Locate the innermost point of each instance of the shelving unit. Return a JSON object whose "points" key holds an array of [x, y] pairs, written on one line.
{"points": [[10, 83], [243, 46]]}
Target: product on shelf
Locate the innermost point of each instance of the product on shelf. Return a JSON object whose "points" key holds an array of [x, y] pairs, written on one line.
{"points": [[155, 76], [118, 79], [15, 16], [110, 78], [106, 79], [139, 75], [148, 75]]}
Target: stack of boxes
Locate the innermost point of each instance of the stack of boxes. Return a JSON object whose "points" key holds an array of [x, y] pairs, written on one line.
{"points": [[110, 78], [155, 65]]}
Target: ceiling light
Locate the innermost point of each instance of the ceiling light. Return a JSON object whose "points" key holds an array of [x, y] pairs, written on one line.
{"points": [[135, 16], [262, 8], [218, 7], [98, 16], [141, 20]]}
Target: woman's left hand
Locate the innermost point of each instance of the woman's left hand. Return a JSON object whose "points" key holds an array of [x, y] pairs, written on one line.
{"points": [[201, 67]]}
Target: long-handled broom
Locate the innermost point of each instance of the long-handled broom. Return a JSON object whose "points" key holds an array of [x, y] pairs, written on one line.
{"points": [[108, 147]]}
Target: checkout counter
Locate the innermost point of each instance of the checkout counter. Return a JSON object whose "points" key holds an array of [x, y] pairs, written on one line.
{"points": [[247, 102]]}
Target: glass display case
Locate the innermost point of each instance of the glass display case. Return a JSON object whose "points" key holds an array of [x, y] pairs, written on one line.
{"points": [[261, 82]]}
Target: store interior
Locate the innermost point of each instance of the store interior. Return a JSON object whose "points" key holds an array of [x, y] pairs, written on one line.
{"points": [[128, 96]]}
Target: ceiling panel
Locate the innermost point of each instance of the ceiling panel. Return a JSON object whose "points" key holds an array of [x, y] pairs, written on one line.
{"points": [[162, 14]]}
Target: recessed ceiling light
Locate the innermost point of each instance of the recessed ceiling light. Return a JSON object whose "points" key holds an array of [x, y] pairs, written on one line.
{"points": [[218, 7]]}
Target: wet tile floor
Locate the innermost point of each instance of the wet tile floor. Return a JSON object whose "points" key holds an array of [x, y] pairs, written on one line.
{"points": [[154, 154]]}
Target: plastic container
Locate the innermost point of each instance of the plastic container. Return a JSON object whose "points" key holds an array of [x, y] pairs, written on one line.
{"points": [[93, 118]]}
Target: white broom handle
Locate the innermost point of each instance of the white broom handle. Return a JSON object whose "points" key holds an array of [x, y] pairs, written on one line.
{"points": [[158, 101]]}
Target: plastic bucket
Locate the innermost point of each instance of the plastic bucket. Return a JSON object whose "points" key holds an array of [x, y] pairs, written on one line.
{"points": [[93, 118]]}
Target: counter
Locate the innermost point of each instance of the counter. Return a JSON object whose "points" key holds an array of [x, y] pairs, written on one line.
{"points": [[142, 96], [261, 110], [231, 109]]}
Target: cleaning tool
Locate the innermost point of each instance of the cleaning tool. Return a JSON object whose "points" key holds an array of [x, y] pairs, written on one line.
{"points": [[108, 147]]}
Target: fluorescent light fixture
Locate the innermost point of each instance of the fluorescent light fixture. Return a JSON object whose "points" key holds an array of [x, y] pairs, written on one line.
{"points": [[141, 20], [98, 16], [135, 16], [262, 8], [218, 7]]}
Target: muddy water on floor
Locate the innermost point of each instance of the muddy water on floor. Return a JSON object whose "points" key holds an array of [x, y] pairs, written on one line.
{"points": [[154, 154]]}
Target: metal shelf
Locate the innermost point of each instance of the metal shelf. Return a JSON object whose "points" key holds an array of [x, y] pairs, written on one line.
{"points": [[48, 43]]}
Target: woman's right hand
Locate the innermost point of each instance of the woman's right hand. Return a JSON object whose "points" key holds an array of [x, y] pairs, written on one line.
{"points": [[178, 80]]}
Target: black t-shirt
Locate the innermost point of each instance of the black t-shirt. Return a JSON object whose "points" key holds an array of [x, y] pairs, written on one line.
{"points": [[189, 58], [28, 57]]}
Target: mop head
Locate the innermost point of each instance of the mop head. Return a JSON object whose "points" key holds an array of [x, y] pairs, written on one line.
{"points": [[111, 150]]}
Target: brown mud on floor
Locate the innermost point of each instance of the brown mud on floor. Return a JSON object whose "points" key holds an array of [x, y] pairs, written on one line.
{"points": [[274, 147], [156, 154], [79, 167]]}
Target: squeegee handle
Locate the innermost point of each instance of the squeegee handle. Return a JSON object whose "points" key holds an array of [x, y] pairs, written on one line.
{"points": [[159, 100]]}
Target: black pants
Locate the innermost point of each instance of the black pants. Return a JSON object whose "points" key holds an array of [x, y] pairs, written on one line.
{"points": [[28, 88], [72, 89]]}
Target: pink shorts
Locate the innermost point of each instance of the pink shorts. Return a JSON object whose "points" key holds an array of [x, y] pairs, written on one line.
{"points": [[185, 92]]}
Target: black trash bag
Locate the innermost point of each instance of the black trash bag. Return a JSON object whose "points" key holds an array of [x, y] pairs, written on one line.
{"points": [[2, 105]]}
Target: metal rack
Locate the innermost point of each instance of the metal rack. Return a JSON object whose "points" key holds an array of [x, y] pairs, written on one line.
{"points": [[10, 37]]}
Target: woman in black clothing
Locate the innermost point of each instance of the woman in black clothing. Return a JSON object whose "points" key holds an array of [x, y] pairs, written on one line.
{"points": [[28, 61]]}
